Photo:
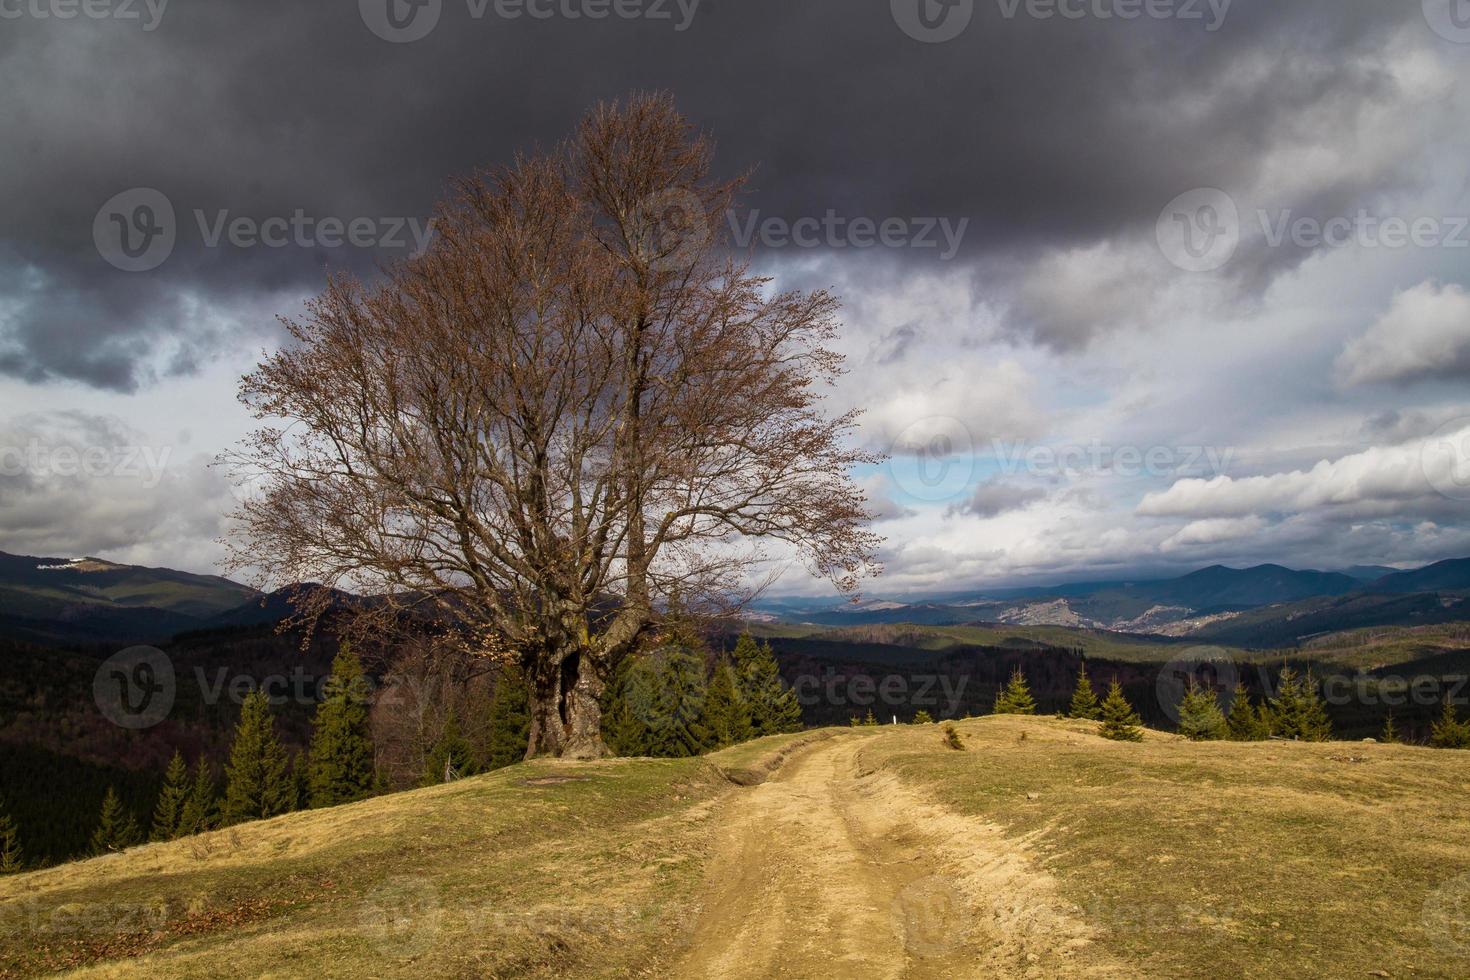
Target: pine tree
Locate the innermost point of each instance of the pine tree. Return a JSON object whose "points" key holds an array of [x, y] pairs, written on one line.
{"points": [[1015, 698], [869, 721], [1449, 732], [774, 708], [510, 720], [198, 812], [923, 718], [625, 733], [1390, 734], [1084, 699], [258, 780], [726, 715], [117, 828], [341, 761], [171, 800], [451, 757], [12, 855], [1244, 722], [1119, 721], [1297, 711], [1200, 718]]}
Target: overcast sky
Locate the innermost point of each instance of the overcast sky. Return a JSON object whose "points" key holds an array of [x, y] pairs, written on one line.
{"points": [[1139, 286]]}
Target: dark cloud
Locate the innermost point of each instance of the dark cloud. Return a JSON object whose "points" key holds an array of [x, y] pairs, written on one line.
{"points": [[1045, 134], [995, 497]]}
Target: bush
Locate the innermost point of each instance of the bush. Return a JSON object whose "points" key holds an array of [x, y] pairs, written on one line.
{"points": [[952, 737]]}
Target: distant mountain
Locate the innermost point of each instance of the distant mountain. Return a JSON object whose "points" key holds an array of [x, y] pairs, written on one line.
{"points": [[1444, 576], [88, 600], [1199, 603], [1368, 573], [1218, 587]]}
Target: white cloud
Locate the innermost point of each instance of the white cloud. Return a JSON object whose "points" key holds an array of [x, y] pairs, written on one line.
{"points": [[1379, 481], [1425, 334]]}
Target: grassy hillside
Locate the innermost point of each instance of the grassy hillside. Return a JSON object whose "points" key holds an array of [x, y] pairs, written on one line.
{"points": [[1223, 859], [1168, 859]]}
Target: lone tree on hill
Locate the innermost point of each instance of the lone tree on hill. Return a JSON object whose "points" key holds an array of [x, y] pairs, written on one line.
{"points": [[1084, 699], [573, 404], [1015, 698]]}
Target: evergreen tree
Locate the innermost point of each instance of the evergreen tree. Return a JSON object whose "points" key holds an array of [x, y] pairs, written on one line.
{"points": [[12, 855], [670, 692], [869, 721], [1200, 718], [923, 718], [258, 780], [1449, 732], [510, 720], [1084, 699], [117, 828], [1015, 698], [625, 733], [1119, 721], [1297, 711], [726, 715], [341, 762], [1244, 722], [773, 706], [451, 757], [198, 812], [171, 798], [1390, 734]]}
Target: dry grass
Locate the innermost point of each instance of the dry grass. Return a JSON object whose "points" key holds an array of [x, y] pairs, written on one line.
{"points": [[1225, 859], [522, 872], [1176, 859]]}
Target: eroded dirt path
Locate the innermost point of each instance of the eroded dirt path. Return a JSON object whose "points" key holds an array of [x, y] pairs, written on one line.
{"points": [[830, 871]]}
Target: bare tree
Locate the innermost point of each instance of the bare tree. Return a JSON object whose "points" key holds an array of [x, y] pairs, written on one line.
{"points": [[572, 406]]}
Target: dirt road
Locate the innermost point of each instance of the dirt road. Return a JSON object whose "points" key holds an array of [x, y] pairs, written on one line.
{"points": [[830, 871]]}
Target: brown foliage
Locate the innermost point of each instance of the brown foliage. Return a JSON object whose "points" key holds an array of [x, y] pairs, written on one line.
{"points": [[572, 405]]}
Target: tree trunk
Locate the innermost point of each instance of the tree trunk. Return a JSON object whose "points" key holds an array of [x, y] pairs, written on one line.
{"points": [[566, 710]]}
